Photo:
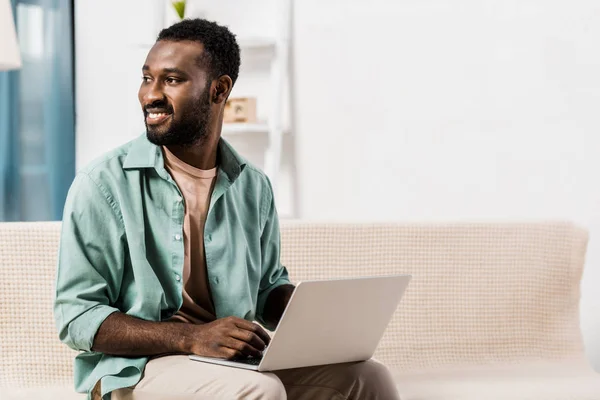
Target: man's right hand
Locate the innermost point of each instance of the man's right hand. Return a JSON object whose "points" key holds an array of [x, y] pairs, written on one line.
{"points": [[227, 338]]}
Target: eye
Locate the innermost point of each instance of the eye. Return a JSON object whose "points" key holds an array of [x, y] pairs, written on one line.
{"points": [[146, 79], [172, 81]]}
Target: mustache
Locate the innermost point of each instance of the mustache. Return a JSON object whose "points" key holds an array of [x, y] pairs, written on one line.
{"points": [[160, 105]]}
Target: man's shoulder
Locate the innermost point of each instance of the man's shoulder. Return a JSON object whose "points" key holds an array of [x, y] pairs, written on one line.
{"points": [[231, 161], [108, 164], [256, 174], [257, 181]]}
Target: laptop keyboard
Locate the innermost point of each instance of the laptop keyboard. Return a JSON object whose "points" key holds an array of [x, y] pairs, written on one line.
{"points": [[249, 361]]}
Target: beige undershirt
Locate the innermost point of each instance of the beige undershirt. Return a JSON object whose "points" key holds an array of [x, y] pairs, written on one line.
{"points": [[196, 185]]}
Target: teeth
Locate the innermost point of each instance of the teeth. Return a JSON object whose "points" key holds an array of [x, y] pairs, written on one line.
{"points": [[156, 115]]}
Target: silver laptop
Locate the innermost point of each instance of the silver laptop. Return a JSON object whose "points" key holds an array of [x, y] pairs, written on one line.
{"points": [[328, 322]]}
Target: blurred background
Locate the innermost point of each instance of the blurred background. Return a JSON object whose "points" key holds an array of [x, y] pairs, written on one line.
{"points": [[379, 110]]}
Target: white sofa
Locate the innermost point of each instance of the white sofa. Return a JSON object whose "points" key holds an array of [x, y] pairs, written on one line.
{"points": [[491, 312]]}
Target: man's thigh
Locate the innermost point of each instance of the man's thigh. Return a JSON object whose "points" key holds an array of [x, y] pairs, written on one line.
{"points": [[179, 378]]}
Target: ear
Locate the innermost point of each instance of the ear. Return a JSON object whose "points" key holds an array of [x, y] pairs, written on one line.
{"points": [[221, 89]]}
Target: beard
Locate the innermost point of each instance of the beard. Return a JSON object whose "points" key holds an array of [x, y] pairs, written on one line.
{"points": [[189, 130]]}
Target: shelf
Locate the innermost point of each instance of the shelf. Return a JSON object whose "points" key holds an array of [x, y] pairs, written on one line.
{"points": [[242, 128], [257, 43]]}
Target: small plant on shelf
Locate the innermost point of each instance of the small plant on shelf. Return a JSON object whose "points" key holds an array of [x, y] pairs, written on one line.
{"points": [[179, 6]]}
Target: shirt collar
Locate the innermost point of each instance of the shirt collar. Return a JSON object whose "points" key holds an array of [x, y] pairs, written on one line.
{"points": [[144, 154]]}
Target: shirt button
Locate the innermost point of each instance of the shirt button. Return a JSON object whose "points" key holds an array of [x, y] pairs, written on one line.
{"points": [[177, 278], [179, 199], [216, 280], [177, 236], [208, 238]]}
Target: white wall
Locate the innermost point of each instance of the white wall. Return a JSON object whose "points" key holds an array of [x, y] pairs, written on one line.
{"points": [[412, 110], [453, 110]]}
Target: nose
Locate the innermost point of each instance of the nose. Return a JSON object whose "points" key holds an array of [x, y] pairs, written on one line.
{"points": [[151, 92]]}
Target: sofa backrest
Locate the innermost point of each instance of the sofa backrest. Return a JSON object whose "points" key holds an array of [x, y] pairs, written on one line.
{"points": [[480, 293], [30, 353]]}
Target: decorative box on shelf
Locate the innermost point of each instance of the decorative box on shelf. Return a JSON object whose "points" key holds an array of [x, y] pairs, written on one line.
{"points": [[240, 110]]}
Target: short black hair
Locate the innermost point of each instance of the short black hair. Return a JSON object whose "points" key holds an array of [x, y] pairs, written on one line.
{"points": [[221, 51]]}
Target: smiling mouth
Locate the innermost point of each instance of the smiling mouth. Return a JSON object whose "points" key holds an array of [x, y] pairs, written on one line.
{"points": [[156, 118]]}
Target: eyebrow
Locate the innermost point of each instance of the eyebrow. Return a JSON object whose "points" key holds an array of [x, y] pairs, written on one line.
{"points": [[171, 70]]}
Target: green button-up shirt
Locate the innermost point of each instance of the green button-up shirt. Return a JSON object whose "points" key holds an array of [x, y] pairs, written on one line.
{"points": [[121, 249]]}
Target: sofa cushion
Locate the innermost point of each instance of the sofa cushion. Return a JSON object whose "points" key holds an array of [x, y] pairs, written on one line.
{"points": [[532, 381]]}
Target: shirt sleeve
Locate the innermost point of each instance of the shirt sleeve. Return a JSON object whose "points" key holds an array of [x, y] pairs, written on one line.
{"points": [[90, 263], [273, 273]]}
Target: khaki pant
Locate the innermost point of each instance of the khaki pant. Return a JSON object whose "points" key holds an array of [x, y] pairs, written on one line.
{"points": [[178, 378]]}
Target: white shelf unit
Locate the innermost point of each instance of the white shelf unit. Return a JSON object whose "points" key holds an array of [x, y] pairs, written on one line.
{"points": [[272, 49]]}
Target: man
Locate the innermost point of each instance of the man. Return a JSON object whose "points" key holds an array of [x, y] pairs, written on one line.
{"points": [[170, 247]]}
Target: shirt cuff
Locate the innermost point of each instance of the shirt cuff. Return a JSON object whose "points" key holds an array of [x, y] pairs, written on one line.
{"points": [[83, 329]]}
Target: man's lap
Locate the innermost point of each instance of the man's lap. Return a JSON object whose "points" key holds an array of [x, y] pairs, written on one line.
{"points": [[177, 377]]}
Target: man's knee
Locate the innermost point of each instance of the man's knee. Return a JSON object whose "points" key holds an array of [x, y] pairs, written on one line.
{"points": [[264, 387], [373, 380], [371, 369]]}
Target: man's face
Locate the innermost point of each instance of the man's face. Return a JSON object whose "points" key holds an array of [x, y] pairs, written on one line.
{"points": [[175, 94]]}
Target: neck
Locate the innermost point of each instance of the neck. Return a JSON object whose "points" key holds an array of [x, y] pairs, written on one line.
{"points": [[202, 155]]}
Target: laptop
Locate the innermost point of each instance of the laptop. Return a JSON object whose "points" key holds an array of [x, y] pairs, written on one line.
{"points": [[328, 322]]}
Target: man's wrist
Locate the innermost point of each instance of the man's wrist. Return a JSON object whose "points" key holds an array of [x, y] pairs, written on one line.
{"points": [[186, 338]]}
